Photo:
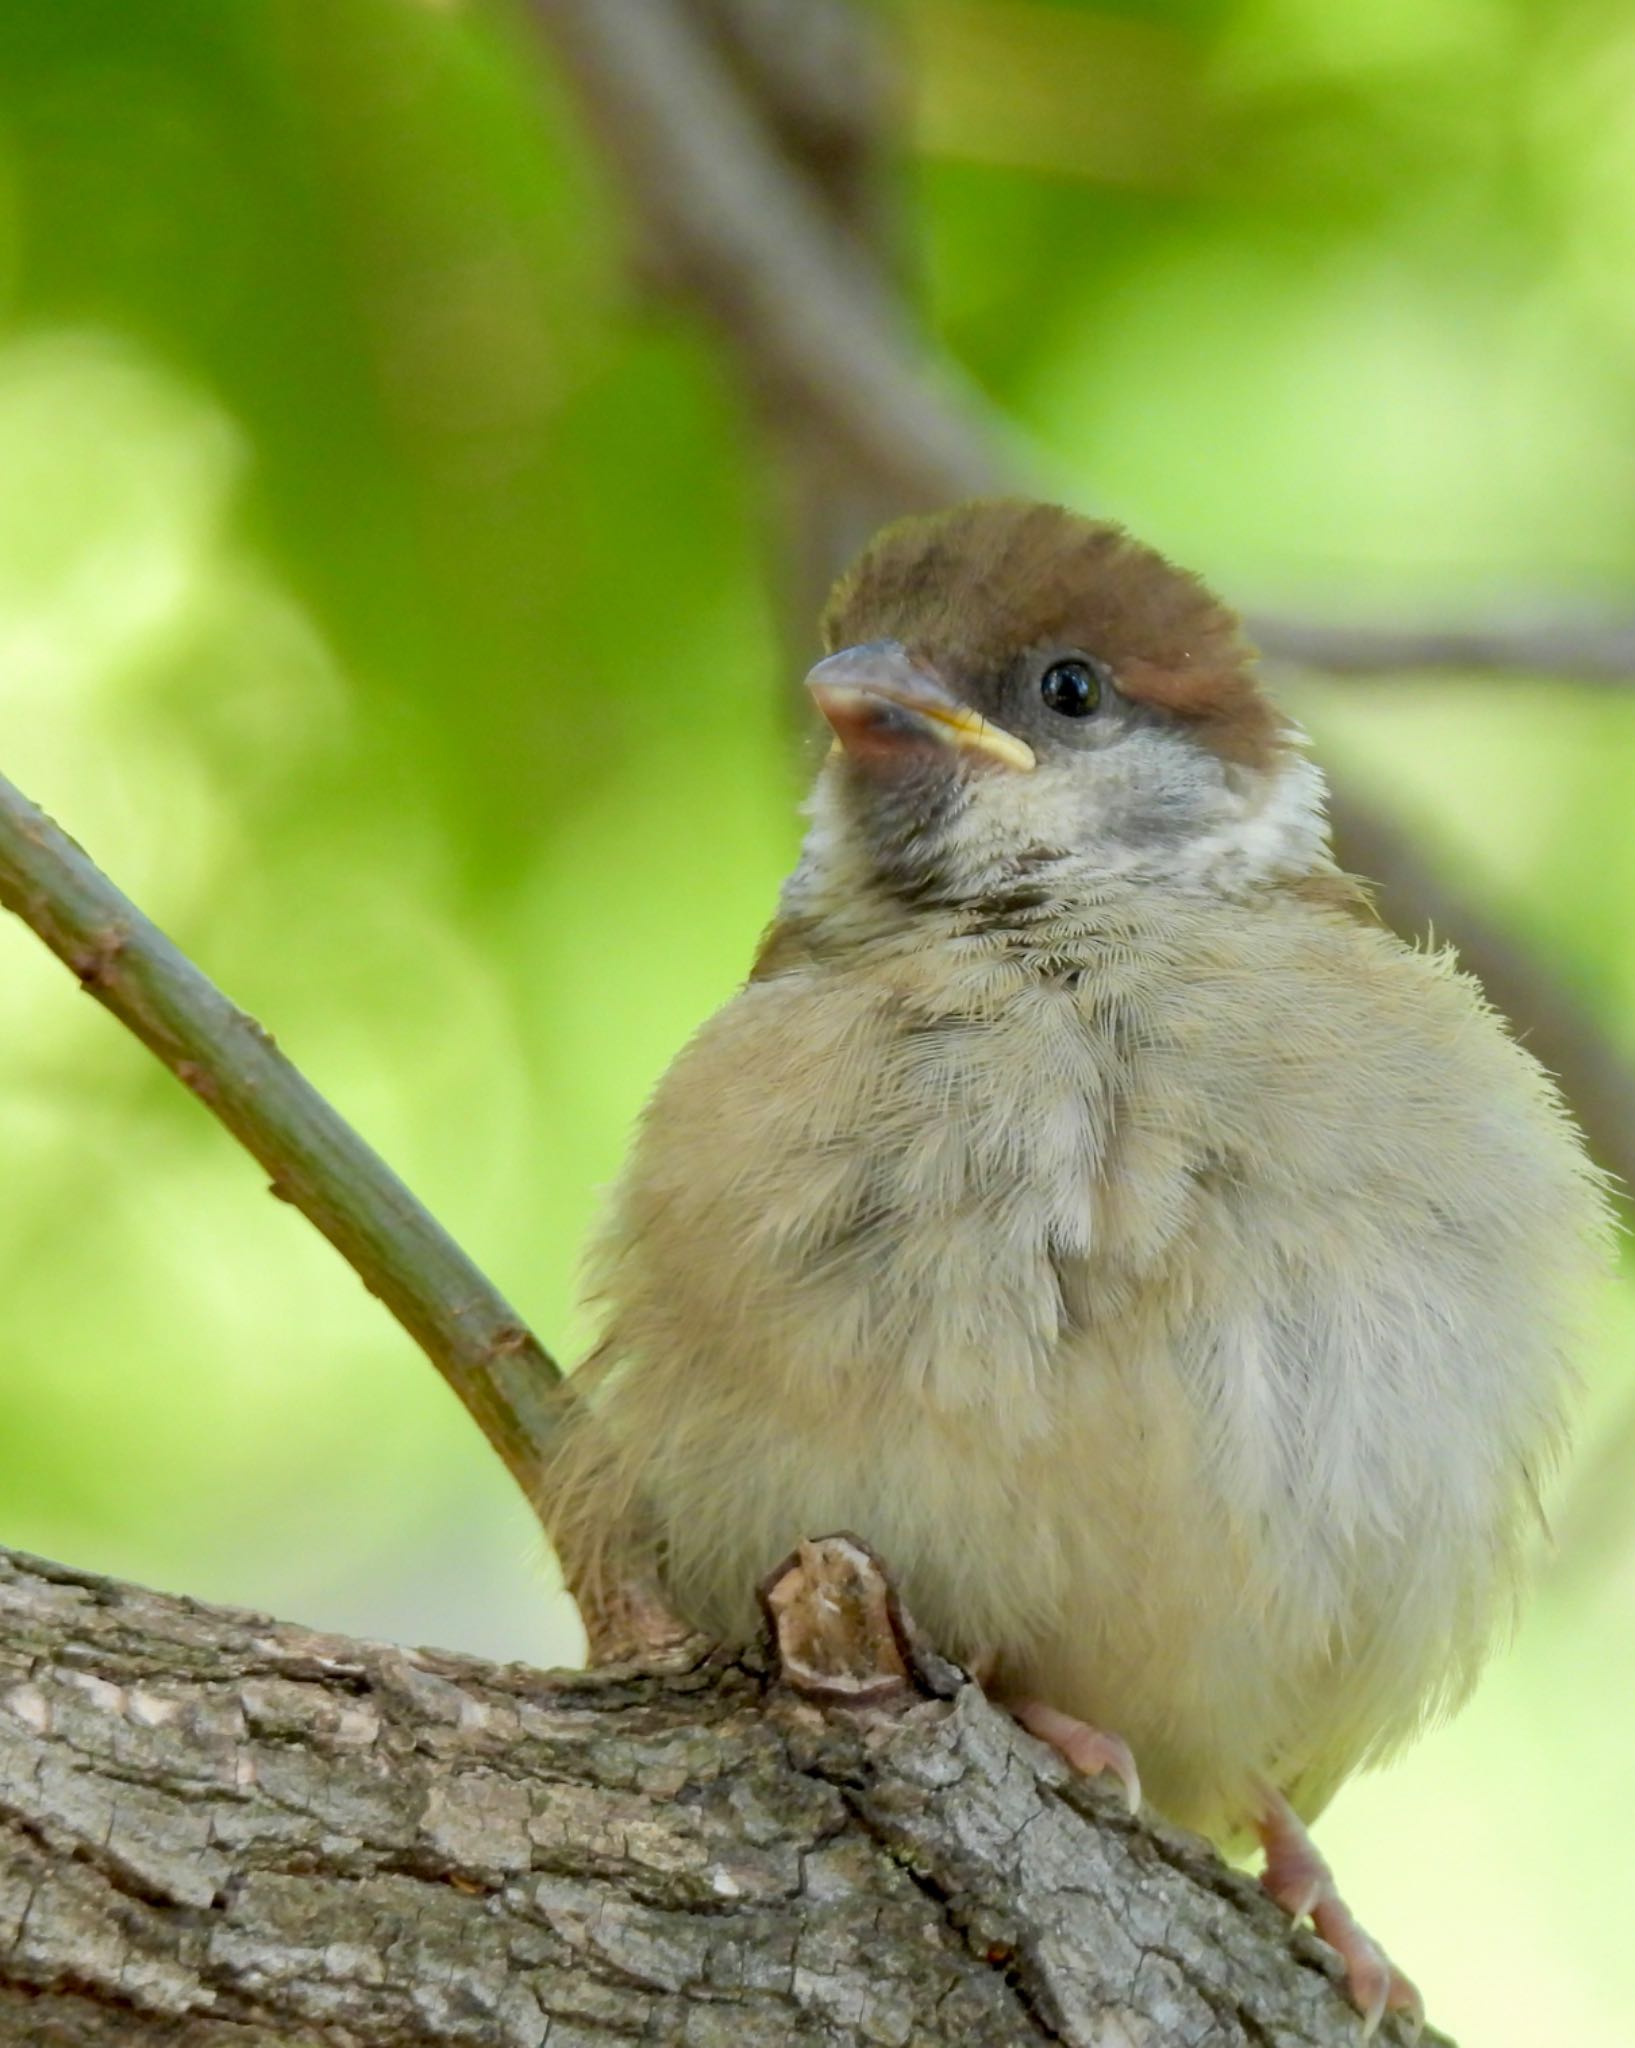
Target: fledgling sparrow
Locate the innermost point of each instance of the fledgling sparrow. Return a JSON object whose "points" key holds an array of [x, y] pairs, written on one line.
{"points": [[1166, 1269]]}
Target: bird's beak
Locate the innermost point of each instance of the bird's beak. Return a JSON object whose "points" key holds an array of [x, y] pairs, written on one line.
{"points": [[881, 703]]}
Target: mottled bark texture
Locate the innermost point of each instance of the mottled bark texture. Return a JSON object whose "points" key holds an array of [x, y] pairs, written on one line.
{"points": [[221, 1832]]}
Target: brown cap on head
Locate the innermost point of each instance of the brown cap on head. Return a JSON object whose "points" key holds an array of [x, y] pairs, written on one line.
{"points": [[975, 586]]}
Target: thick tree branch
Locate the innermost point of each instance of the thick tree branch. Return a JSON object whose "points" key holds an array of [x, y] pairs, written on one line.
{"points": [[223, 1832], [315, 1160]]}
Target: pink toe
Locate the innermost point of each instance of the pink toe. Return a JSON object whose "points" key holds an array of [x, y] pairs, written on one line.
{"points": [[1087, 1749]]}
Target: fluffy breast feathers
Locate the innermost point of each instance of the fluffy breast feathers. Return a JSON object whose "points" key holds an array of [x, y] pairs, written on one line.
{"points": [[1180, 1302]]}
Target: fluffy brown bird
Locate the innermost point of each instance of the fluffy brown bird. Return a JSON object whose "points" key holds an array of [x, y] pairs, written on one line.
{"points": [[1167, 1270]]}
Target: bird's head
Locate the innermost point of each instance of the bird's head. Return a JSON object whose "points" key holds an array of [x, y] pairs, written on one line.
{"points": [[1012, 687]]}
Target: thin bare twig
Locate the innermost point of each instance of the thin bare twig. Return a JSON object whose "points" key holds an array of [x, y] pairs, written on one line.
{"points": [[317, 1161]]}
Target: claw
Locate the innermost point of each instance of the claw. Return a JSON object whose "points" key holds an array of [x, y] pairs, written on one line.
{"points": [[1303, 1885], [1087, 1749]]}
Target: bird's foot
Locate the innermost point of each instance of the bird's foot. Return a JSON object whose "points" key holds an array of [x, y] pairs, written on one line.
{"points": [[1087, 1749], [1303, 1885]]}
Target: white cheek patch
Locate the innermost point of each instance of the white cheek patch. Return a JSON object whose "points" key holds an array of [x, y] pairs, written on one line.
{"points": [[1160, 806], [1281, 828]]}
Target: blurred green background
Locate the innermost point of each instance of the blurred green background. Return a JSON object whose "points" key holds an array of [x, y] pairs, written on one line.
{"points": [[384, 600]]}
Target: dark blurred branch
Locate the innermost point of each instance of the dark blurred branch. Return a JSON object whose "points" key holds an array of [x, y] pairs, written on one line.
{"points": [[808, 316], [1587, 646], [807, 312], [317, 1161], [816, 73], [803, 312]]}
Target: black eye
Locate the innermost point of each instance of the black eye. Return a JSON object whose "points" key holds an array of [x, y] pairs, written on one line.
{"points": [[1071, 687]]}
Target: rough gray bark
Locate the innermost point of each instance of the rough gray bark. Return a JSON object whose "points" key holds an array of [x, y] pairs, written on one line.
{"points": [[216, 1830]]}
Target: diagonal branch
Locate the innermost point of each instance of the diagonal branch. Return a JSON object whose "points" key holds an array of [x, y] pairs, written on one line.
{"points": [[828, 102], [817, 73], [808, 315], [316, 1160]]}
